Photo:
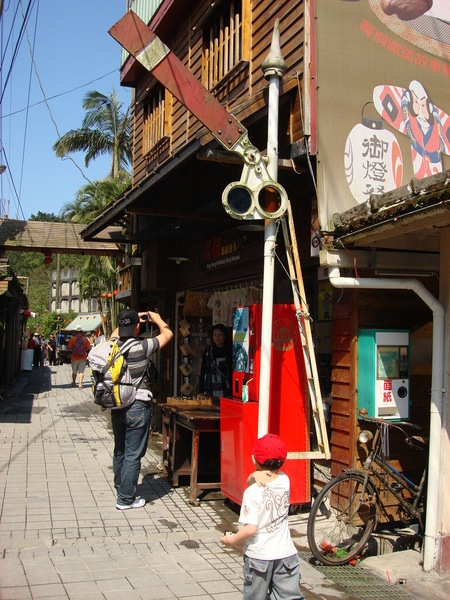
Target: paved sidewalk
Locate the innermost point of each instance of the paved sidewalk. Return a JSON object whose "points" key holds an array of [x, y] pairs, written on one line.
{"points": [[62, 538]]}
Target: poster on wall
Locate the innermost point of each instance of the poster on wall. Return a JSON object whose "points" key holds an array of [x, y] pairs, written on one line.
{"points": [[383, 102]]}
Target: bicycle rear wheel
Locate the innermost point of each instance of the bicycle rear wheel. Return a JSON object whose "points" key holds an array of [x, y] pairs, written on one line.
{"points": [[342, 518]]}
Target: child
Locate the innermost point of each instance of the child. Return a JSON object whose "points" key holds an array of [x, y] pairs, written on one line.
{"points": [[271, 562]]}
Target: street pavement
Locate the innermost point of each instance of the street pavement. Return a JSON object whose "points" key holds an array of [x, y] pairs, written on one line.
{"points": [[61, 536]]}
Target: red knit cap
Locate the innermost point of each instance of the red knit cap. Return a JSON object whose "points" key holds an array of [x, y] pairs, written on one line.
{"points": [[269, 447]]}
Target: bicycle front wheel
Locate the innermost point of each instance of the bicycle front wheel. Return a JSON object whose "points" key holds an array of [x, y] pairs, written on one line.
{"points": [[342, 518]]}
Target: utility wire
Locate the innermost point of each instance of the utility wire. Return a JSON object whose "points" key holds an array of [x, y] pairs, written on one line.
{"points": [[10, 33], [28, 98], [23, 30], [78, 87], [26, 17], [16, 49], [8, 171], [50, 111]]}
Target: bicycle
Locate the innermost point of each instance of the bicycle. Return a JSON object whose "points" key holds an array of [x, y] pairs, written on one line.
{"points": [[346, 510]]}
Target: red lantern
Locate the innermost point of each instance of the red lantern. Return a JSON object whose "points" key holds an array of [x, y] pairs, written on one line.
{"points": [[47, 252], [48, 260], [104, 295], [115, 292], [109, 295]]}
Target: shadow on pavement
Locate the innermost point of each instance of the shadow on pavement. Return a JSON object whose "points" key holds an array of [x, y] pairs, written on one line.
{"points": [[18, 397]]}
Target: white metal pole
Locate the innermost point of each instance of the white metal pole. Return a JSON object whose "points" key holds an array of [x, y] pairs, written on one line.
{"points": [[434, 485], [273, 67]]}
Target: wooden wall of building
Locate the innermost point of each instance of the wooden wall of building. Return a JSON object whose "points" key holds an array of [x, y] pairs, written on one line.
{"points": [[343, 377], [376, 309], [242, 90]]}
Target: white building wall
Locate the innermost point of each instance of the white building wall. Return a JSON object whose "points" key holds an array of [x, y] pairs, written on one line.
{"points": [[69, 294], [445, 299], [444, 292]]}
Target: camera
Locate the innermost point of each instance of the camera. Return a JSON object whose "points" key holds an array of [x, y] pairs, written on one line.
{"points": [[144, 325]]}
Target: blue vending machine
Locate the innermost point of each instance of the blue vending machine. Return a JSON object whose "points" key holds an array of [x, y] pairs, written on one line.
{"points": [[383, 373]]}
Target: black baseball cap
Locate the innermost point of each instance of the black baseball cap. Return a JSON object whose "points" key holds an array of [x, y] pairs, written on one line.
{"points": [[127, 320]]}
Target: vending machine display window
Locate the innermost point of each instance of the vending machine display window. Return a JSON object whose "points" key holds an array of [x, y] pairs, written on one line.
{"points": [[383, 373]]}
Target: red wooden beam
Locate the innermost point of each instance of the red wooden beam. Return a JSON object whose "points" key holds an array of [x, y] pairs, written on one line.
{"points": [[142, 43]]}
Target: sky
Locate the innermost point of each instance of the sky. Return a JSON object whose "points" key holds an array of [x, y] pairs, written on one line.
{"points": [[73, 54]]}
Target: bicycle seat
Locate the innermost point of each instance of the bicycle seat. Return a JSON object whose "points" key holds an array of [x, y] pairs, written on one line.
{"points": [[417, 441]]}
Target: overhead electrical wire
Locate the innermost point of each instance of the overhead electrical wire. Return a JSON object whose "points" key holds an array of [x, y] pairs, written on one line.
{"points": [[33, 64], [10, 34], [8, 172], [26, 16], [16, 49], [28, 98], [78, 87], [23, 31]]}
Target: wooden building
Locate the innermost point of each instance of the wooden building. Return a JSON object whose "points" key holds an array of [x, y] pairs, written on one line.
{"points": [[184, 249], [352, 170]]}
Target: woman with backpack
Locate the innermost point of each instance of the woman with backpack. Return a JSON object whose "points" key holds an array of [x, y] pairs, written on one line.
{"points": [[80, 346]]}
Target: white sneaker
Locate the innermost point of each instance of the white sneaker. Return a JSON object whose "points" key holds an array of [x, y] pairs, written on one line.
{"points": [[138, 503]]}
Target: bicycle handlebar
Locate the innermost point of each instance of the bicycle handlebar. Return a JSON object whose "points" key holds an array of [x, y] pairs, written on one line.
{"points": [[365, 417]]}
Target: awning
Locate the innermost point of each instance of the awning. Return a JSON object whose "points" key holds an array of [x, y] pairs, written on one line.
{"points": [[87, 322], [420, 208], [122, 204], [59, 238]]}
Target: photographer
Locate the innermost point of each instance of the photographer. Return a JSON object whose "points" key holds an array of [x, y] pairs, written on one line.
{"points": [[131, 424]]}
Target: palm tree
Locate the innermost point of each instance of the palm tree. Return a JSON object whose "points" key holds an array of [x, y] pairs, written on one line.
{"points": [[106, 129], [98, 273], [93, 198]]}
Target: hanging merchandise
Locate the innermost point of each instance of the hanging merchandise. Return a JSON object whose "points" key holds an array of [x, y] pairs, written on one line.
{"points": [[223, 303], [185, 349], [185, 368], [186, 389], [184, 328], [196, 304]]}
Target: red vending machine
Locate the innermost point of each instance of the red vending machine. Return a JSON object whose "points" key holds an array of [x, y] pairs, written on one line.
{"points": [[288, 411]]}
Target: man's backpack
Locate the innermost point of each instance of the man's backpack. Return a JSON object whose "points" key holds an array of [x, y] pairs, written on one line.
{"points": [[112, 384], [151, 379], [78, 348]]}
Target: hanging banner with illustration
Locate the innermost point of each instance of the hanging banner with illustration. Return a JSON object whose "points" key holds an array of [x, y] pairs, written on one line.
{"points": [[383, 101]]}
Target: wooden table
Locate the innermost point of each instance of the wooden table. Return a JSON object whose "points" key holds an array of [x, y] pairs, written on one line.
{"points": [[182, 429]]}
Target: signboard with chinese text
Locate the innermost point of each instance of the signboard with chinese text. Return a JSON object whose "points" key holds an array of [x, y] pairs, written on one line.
{"points": [[383, 75], [218, 252]]}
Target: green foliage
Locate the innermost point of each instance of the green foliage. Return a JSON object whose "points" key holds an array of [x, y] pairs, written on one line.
{"points": [[93, 198], [51, 323], [38, 285], [99, 275], [24, 263], [46, 217], [106, 129]]}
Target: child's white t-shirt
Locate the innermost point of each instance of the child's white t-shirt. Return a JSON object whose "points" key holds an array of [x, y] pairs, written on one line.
{"points": [[268, 508]]}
